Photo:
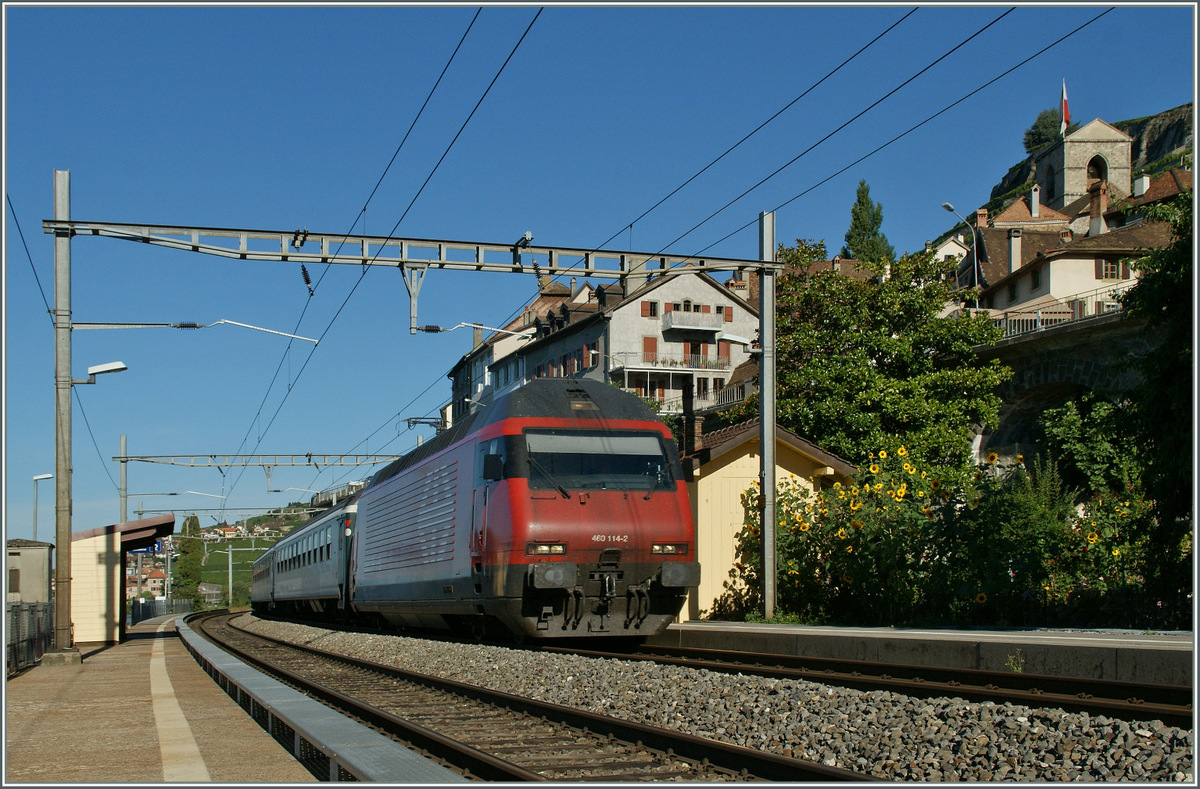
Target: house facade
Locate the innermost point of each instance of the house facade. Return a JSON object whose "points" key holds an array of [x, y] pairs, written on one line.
{"points": [[672, 337], [1060, 251]]}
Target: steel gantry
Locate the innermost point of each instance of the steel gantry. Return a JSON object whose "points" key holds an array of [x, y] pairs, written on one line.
{"points": [[268, 462], [414, 257]]}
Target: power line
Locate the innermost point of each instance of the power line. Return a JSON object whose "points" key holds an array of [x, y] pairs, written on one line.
{"points": [[810, 148], [394, 227], [28, 256], [759, 128], [900, 136]]}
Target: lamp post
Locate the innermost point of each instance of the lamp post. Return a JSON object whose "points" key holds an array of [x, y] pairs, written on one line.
{"points": [[974, 255], [36, 480]]}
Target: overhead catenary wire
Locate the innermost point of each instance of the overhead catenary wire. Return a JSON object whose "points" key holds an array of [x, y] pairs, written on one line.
{"points": [[393, 230]]}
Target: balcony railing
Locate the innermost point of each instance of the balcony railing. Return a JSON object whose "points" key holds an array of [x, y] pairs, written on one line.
{"points": [[1025, 320], [692, 321], [663, 361]]}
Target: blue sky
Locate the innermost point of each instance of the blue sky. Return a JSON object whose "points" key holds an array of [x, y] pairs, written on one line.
{"points": [[285, 117]]}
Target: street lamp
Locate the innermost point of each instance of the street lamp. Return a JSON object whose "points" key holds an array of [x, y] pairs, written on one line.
{"points": [[974, 253], [36, 480]]}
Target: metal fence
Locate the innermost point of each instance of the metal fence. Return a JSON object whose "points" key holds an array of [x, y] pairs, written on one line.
{"points": [[30, 633], [141, 610], [1065, 310]]}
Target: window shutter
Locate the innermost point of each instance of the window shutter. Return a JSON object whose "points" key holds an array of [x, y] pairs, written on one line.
{"points": [[645, 309], [729, 314], [706, 308], [1099, 268], [1124, 269], [667, 306]]}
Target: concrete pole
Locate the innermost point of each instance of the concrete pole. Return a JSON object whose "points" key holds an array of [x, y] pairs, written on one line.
{"points": [[766, 408], [230, 547], [63, 635]]}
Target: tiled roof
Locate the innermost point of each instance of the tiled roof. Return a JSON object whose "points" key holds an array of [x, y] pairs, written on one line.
{"points": [[1131, 238], [1166, 185], [1019, 212], [720, 441], [994, 264]]}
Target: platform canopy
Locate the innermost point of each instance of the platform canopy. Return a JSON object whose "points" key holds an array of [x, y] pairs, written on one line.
{"points": [[134, 534]]}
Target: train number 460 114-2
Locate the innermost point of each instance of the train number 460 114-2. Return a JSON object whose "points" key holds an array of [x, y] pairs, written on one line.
{"points": [[610, 538]]}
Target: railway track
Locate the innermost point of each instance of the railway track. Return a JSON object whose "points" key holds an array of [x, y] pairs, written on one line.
{"points": [[1171, 704], [488, 735]]}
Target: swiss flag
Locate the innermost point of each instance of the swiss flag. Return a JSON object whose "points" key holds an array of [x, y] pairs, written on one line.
{"points": [[1066, 113]]}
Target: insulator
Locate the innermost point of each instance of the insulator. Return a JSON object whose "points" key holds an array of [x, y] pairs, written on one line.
{"points": [[304, 273], [187, 325]]}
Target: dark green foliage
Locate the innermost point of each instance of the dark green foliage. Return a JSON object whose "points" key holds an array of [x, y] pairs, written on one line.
{"points": [[191, 559], [863, 239], [1092, 440], [1045, 130], [862, 363], [1163, 409]]}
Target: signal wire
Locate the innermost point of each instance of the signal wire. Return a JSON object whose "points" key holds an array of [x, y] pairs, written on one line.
{"points": [[74, 390]]}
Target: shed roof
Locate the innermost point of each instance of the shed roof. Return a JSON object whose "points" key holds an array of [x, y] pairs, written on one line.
{"points": [[134, 534]]}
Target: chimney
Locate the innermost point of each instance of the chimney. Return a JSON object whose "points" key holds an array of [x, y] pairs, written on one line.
{"points": [[476, 336], [1064, 236], [981, 219], [1035, 201], [1140, 185], [1014, 249], [1097, 207], [573, 287]]}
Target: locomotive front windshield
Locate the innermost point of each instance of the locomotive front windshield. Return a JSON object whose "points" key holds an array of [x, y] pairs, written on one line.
{"points": [[595, 460]]}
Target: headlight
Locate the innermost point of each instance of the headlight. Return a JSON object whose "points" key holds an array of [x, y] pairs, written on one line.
{"points": [[672, 548], [545, 549]]}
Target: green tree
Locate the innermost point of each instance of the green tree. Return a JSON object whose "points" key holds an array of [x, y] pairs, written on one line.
{"points": [[865, 363], [1162, 403], [191, 560], [1045, 129], [863, 239], [1091, 441]]}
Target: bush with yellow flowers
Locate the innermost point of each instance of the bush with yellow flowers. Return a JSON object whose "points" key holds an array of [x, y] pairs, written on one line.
{"points": [[896, 545]]}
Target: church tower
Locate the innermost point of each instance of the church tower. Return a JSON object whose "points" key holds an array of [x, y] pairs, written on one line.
{"points": [[1091, 154]]}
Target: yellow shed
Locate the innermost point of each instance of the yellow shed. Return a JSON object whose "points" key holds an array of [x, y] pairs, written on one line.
{"points": [[724, 465]]}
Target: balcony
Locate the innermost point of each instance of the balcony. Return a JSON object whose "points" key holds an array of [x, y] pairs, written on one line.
{"points": [[667, 362], [677, 320]]}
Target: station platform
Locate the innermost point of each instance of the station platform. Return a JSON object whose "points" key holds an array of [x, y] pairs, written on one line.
{"points": [[147, 710], [1119, 655]]}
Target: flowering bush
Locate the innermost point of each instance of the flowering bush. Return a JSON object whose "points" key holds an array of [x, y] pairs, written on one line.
{"points": [[898, 546]]}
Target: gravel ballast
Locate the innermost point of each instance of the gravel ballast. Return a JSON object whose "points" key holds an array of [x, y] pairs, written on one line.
{"points": [[885, 734]]}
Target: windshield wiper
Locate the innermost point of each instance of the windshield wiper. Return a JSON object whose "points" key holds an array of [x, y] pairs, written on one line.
{"points": [[549, 477]]}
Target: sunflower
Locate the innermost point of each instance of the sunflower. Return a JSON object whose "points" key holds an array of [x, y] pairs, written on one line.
{"points": [[935, 484], [841, 534], [803, 526], [883, 454], [849, 549], [901, 451], [1093, 538], [981, 598], [1116, 551], [992, 458], [874, 468], [856, 523]]}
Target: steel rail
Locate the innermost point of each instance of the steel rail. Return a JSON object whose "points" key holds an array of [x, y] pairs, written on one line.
{"points": [[736, 759]]}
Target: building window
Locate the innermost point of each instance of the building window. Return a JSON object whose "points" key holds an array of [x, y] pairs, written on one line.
{"points": [[1012, 293], [1035, 279]]}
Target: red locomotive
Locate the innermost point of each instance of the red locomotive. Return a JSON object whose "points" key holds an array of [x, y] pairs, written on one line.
{"points": [[557, 510]]}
